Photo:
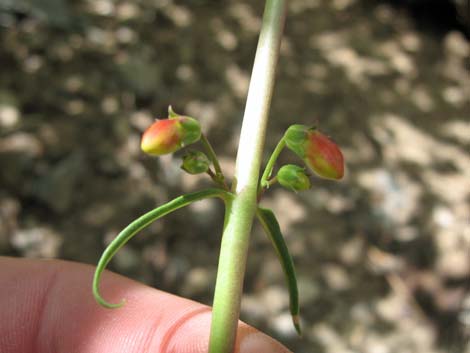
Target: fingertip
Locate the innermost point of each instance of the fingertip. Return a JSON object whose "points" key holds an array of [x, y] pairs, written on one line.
{"points": [[260, 343], [190, 334], [49, 293]]}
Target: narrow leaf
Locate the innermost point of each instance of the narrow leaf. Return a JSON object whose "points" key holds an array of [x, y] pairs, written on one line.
{"points": [[271, 226], [140, 223]]}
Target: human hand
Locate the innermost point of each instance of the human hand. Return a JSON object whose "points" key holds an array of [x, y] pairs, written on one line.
{"points": [[47, 306]]}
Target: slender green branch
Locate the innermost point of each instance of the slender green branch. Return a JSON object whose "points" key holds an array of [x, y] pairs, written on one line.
{"points": [[216, 180], [261, 191], [142, 222], [272, 181], [270, 165], [212, 175], [241, 210], [219, 175]]}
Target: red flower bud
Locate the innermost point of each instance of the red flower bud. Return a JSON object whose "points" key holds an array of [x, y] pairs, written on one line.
{"points": [[169, 135], [319, 152], [323, 156]]}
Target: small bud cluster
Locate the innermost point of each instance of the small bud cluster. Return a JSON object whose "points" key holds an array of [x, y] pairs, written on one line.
{"points": [[319, 153]]}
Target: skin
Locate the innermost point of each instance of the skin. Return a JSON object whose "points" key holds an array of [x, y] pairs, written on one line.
{"points": [[46, 306]]}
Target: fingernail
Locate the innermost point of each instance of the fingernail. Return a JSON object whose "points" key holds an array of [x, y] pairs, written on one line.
{"points": [[260, 343]]}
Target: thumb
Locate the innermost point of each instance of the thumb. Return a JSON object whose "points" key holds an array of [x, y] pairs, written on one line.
{"points": [[46, 305], [192, 337]]}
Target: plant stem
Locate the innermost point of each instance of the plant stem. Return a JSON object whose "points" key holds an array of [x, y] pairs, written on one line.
{"points": [[272, 181], [241, 210], [261, 191], [219, 176], [269, 167]]}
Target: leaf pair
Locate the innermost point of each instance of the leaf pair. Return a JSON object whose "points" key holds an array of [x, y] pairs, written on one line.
{"points": [[265, 216]]}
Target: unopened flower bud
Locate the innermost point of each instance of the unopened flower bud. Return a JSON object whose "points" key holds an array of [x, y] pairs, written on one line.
{"points": [[195, 162], [169, 135], [296, 137], [319, 152], [293, 177]]}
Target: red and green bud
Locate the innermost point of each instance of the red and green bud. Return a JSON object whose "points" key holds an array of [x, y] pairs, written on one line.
{"points": [[293, 177], [319, 152], [195, 162], [169, 135]]}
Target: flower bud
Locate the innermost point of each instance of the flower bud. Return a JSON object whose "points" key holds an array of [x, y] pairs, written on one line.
{"points": [[195, 162], [169, 135], [293, 177], [319, 152], [296, 137]]}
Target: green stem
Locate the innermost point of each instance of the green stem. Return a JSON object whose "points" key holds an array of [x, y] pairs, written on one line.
{"points": [[272, 181], [212, 175], [242, 208], [261, 191], [219, 175], [264, 183], [139, 224]]}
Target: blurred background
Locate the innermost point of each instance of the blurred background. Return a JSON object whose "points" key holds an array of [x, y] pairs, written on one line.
{"points": [[383, 258]]}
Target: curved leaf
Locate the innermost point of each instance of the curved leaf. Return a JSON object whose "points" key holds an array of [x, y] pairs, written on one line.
{"points": [[140, 223], [271, 226]]}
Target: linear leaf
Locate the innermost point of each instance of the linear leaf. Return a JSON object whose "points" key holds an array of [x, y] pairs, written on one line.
{"points": [[140, 223], [271, 226]]}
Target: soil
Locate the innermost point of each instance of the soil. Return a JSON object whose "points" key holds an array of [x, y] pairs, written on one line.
{"points": [[383, 257]]}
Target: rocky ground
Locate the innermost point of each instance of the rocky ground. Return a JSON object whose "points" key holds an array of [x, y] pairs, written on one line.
{"points": [[383, 258]]}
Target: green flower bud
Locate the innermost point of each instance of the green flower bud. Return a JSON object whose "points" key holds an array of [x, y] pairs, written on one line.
{"points": [[296, 137], [195, 162], [191, 130], [293, 177]]}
